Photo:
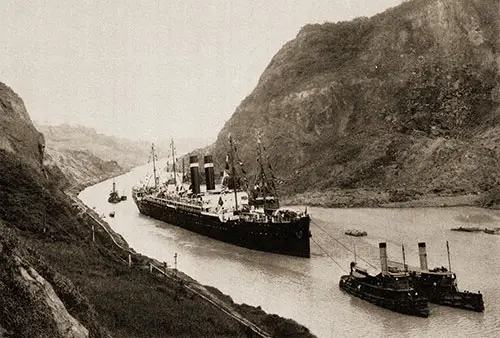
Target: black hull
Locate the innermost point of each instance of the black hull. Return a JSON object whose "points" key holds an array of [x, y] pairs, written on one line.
{"points": [[398, 301], [114, 198], [288, 238], [429, 285]]}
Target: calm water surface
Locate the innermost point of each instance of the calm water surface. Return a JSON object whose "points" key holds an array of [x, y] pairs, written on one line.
{"points": [[306, 290]]}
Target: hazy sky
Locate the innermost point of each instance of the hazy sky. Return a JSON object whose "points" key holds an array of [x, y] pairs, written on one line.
{"points": [[149, 69]]}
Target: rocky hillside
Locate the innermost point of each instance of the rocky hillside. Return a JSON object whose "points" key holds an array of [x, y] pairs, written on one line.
{"points": [[70, 139], [80, 167], [407, 100]]}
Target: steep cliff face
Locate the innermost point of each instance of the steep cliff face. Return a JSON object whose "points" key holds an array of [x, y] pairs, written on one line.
{"points": [[406, 99], [17, 133]]}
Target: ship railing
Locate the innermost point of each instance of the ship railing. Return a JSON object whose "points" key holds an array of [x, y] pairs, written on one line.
{"points": [[178, 204]]}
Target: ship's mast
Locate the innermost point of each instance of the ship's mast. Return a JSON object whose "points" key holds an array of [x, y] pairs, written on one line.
{"points": [[233, 172], [154, 164], [183, 170], [173, 160], [404, 258], [448, 251], [262, 172]]}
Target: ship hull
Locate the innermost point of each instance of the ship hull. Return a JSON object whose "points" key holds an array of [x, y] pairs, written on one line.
{"points": [[429, 285], [287, 238], [398, 301]]}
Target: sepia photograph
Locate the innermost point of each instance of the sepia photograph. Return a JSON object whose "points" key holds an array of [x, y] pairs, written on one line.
{"points": [[249, 168]]}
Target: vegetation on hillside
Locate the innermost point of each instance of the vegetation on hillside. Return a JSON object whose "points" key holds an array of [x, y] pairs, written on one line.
{"points": [[404, 101]]}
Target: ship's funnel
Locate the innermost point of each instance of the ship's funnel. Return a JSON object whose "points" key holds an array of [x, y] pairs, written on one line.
{"points": [[195, 174], [423, 256], [209, 172], [383, 257]]}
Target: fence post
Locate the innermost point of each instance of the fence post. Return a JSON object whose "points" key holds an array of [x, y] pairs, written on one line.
{"points": [[93, 234], [129, 260], [175, 260]]}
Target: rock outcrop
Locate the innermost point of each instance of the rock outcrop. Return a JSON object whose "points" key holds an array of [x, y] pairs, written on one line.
{"points": [[407, 99], [17, 133], [30, 306]]}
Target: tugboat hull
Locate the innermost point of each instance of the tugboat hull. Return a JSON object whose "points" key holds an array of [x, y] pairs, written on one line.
{"points": [[400, 301], [440, 289]]}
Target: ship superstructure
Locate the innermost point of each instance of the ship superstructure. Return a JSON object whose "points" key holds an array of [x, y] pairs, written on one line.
{"points": [[225, 214]]}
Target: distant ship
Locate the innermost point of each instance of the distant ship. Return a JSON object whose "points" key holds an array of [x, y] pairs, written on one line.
{"points": [[440, 285], [390, 290], [231, 214], [114, 197]]}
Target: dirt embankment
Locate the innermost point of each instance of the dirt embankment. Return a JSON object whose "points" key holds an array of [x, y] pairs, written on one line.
{"points": [[371, 198]]}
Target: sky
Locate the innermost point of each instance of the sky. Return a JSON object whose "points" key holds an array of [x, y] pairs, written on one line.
{"points": [[150, 70]]}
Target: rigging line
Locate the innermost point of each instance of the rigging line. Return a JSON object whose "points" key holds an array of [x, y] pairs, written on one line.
{"points": [[347, 248], [328, 255]]}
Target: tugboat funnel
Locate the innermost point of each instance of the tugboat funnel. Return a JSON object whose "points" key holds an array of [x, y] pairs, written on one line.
{"points": [[209, 172], [195, 174], [423, 256], [383, 257]]}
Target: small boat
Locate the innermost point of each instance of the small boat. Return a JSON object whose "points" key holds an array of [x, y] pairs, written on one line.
{"points": [[390, 290], [356, 233], [112, 214], [114, 197], [440, 285], [123, 197]]}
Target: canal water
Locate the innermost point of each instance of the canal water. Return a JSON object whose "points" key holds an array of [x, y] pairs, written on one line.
{"points": [[306, 290]]}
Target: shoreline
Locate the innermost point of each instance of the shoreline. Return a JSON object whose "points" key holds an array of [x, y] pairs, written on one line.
{"points": [[364, 198]]}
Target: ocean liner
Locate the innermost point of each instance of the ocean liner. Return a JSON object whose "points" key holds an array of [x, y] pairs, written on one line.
{"points": [[391, 290], [250, 219]]}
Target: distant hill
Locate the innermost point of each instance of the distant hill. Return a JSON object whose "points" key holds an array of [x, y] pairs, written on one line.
{"points": [[126, 153], [407, 100]]}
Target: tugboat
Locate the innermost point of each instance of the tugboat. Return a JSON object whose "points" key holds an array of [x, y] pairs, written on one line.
{"points": [[390, 290], [114, 197], [440, 285]]}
